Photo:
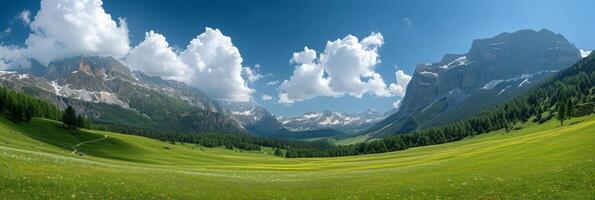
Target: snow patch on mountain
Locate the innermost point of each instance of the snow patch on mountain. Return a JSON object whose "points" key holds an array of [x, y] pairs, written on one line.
{"points": [[244, 113], [524, 77], [6, 72], [90, 96], [347, 122], [503, 90], [457, 62], [585, 53], [429, 74]]}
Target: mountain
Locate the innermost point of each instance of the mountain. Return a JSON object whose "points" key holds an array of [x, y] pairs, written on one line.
{"points": [[494, 70], [346, 122], [253, 117], [108, 92]]}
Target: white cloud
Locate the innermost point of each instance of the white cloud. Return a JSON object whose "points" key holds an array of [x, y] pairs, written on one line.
{"points": [[217, 66], [64, 28], [345, 67], [155, 57], [399, 87], [267, 97], [272, 82], [307, 56], [25, 17], [348, 60], [307, 80], [210, 62], [12, 57], [252, 73]]}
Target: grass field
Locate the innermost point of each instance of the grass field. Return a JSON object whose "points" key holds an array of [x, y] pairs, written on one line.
{"points": [[536, 162]]}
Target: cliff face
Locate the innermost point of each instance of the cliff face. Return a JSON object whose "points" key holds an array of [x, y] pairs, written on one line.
{"points": [[485, 75]]}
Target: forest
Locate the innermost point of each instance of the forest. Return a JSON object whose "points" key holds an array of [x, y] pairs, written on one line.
{"points": [[20, 107]]}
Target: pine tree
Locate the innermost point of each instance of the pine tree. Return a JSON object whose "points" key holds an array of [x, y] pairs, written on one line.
{"points": [[278, 152], [80, 121], [561, 109], [569, 108], [69, 118]]}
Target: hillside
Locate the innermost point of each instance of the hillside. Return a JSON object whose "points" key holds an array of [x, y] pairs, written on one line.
{"points": [[493, 71], [37, 162], [109, 93]]}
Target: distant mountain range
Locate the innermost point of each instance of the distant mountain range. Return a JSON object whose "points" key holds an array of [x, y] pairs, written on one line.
{"points": [[253, 117], [494, 70], [346, 122], [108, 92]]}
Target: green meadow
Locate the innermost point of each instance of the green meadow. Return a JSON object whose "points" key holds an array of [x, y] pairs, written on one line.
{"points": [[533, 161]]}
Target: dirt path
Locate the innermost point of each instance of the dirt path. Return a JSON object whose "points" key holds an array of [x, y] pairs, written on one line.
{"points": [[79, 144]]}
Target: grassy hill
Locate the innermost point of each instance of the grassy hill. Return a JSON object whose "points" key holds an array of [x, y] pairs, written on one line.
{"points": [[534, 162]]}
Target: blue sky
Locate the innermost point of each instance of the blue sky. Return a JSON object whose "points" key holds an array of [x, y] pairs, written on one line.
{"points": [[268, 32]]}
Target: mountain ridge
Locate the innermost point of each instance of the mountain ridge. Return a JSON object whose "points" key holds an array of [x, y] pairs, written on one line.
{"points": [[107, 91], [459, 79]]}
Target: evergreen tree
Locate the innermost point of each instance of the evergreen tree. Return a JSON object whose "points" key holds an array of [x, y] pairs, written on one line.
{"points": [[561, 109], [80, 121], [69, 118], [278, 152], [569, 108]]}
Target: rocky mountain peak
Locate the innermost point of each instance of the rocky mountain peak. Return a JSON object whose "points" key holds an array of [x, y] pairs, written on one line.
{"points": [[436, 88], [96, 66], [345, 122]]}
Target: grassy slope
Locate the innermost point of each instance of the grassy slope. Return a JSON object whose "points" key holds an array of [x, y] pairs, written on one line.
{"points": [[538, 161]]}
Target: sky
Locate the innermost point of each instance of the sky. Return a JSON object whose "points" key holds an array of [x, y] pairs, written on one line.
{"points": [[288, 56]]}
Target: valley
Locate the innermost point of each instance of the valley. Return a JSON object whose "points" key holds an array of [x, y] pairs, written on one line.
{"points": [[35, 164], [294, 99]]}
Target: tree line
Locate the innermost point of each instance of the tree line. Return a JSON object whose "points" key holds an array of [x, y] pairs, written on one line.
{"points": [[228, 140], [20, 107], [567, 94], [73, 121]]}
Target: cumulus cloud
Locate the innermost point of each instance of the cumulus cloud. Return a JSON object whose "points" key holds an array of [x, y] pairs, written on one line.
{"points": [[252, 73], [307, 80], [399, 87], [267, 97], [25, 17], [210, 62], [155, 57], [64, 28], [12, 57], [347, 61], [345, 67], [217, 66]]}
